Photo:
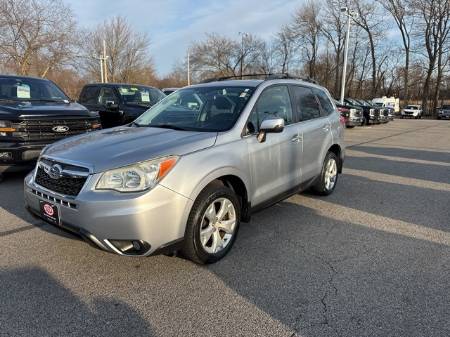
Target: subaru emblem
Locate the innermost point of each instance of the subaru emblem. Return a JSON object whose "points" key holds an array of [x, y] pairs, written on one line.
{"points": [[55, 171]]}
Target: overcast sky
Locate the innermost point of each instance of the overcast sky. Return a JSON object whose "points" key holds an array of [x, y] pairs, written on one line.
{"points": [[173, 24]]}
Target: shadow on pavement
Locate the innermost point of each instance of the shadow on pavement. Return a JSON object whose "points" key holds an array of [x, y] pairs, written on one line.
{"points": [[435, 173], [323, 277], [405, 153], [417, 205], [35, 304]]}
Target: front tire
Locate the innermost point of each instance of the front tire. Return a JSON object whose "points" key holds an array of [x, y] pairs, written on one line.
{"points": [[212, 225], [328, 178]]}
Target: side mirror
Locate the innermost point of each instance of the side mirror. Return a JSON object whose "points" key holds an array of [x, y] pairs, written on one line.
{"points": [[275, 125], [111, 105]]}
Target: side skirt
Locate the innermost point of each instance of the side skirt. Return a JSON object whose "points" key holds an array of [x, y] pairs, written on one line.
{"points": [[283, 196]]}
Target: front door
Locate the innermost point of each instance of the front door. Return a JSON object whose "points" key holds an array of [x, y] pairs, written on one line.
{"points": [[109, 109], [274, 163]]}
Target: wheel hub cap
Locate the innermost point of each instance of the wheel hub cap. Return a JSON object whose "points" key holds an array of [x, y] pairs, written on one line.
{"points": [[330, 174], [218, 225]]}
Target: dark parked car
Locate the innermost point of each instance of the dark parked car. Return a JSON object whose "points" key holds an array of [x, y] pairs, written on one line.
{"points": [[379, 113], [34, 112], [353, 115], [119, 104], [444, 112], [370, 114], [389, 111]]}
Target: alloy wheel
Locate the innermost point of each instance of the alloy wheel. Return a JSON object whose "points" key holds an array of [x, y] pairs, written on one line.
{"points": [[218, 225]]}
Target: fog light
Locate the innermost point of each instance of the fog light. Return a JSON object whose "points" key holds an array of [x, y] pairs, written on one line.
{"points": [[5, 156]]}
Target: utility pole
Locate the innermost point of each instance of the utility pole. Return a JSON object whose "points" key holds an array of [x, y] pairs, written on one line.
{"points": [[243, 36], [350, 15], [189, 67], [103, 66], [104, 62]]}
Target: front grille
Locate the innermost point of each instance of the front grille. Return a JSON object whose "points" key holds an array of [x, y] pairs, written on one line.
{"points": [[70, 186], [37, 130]]}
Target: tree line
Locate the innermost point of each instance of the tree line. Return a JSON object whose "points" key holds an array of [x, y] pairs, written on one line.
{"points": [[397, 48]]}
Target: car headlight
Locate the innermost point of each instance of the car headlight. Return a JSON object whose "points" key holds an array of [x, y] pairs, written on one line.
{"points": [[138, 177]]}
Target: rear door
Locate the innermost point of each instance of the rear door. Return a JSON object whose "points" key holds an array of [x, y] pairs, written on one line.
{"points": [[314, 128], [274, 163]]}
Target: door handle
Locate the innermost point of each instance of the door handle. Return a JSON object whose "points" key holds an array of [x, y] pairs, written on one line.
{"points": [[297, 139]]}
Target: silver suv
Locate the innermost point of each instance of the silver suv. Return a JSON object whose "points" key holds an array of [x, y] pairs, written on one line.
{"points": [[185, 174]]}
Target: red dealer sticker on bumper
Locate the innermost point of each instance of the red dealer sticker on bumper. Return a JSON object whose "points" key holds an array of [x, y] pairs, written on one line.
{"points": [[49, 212]]}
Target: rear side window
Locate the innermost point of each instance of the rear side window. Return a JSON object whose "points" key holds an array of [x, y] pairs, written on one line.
{"points": [[325, 103], [89, 95], [305, 103]]}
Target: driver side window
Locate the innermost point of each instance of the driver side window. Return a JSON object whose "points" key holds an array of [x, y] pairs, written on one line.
{"points": [[107, 95], [274, 102]]}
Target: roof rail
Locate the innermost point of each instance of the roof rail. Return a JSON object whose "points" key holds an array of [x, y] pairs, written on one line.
{"points": [[265, 77]]}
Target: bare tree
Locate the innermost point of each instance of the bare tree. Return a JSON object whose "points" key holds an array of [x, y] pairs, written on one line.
{"points": [[434, 24], [404, 19], [221, 56], [127, 51], [333, 29], [369, 19], [285, 47], [36, 36], [306, 28]]}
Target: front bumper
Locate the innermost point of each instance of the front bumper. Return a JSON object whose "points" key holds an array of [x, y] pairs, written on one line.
{"points": [[354, 121], [157, 217], [22, 156]]}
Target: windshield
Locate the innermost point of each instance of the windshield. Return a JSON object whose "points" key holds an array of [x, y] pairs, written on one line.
{"points": [[379, 104], [29, 89], [139, 95], [446, 107], [210, 109], [412, 107]]}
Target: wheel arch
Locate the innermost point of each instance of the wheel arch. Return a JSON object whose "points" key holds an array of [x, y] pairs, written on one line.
{"points": [[234, 180]]}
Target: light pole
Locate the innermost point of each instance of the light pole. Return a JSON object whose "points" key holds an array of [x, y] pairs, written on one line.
{"points": [[350, 15]]}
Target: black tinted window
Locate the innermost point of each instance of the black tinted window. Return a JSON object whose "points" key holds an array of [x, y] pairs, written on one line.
{"points": [[107, 95], [305, 103], [29, 89], [325, 103], [90, 95]]}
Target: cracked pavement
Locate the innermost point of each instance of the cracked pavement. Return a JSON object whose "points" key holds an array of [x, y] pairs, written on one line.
{"points": [[373, 259]]}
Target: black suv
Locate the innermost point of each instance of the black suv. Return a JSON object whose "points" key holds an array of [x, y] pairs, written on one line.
{"points": [[34, 112], [119, 104]]}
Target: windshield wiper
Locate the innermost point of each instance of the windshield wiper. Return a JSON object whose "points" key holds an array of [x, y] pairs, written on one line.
{"points": [[167, 126], [48, 100], [136, 124]]}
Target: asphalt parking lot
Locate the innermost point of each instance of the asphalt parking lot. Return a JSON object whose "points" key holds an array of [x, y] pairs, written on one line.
{"points": [[373, 259]]}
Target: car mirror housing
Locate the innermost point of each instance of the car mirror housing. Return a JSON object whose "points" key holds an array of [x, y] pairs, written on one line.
{"points": [[275, 125]]}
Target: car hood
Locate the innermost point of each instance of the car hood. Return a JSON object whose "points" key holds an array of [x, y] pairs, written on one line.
{"points": [[112, 148], [41, 109]]}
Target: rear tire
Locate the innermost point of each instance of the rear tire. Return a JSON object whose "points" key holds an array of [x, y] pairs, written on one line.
{"points": [[212, 225], [328, 177]]}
